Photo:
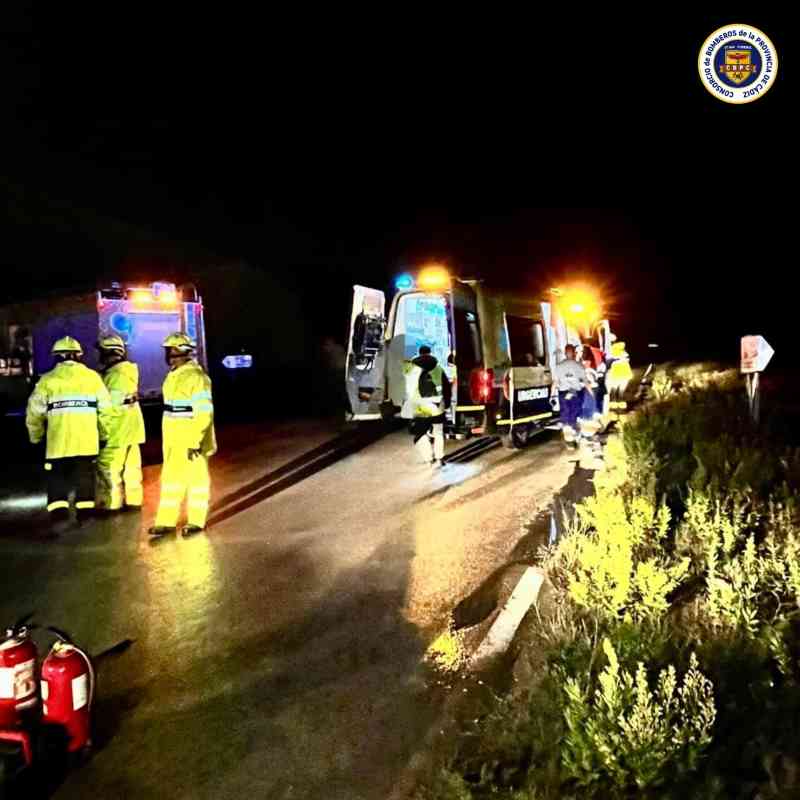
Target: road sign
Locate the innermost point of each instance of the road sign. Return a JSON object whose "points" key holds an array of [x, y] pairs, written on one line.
{"points": [[237, 362], [756, 354]]}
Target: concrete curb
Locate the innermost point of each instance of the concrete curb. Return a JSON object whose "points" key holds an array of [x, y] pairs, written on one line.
{"points": [[503, 629], [497, 640]]}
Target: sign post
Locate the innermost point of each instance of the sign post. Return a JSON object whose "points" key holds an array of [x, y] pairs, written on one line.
{"points": [[755, 355]]}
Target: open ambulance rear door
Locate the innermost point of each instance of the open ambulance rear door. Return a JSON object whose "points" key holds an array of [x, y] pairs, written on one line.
{"points": [[365, 368]]}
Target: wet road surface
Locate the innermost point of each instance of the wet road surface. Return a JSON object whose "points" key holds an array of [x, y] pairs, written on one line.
{"points": [[280, 654]]}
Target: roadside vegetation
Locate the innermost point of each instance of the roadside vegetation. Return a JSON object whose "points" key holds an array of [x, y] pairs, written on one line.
{"points": [[668, 663]]}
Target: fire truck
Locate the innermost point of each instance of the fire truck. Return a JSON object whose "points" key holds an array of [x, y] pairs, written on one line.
{"points": [[499, 348], [141, 315]]}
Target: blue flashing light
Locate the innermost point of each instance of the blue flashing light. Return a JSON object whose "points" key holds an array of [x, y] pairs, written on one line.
{"points": [[404, 282], [237, 362], [121, 324]]}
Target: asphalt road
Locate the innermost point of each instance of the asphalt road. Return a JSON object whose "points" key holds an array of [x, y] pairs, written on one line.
{"points": [[281, 654]]}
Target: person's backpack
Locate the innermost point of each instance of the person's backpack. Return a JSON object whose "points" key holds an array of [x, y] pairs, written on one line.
{"points": [[427, 388]]}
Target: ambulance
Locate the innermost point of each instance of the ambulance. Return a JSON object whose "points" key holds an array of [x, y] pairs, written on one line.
{"points": [[498, 347]]}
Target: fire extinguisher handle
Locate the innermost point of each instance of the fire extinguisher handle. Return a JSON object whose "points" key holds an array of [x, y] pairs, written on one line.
{"points": [[62, 635], [22, 625], [22, 621]]}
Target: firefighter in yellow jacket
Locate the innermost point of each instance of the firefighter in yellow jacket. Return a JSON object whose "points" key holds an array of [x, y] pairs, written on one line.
{"points": [[70, 405], [619, 375], [188, 439], [119, 464]]}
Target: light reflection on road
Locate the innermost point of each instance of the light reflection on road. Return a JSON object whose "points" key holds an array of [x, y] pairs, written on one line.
{"points": [[181, 610], [436, 551]]}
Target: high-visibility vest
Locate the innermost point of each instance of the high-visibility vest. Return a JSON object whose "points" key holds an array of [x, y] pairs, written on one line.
{"points": [[188, 419], [122, 382], [71, 405], [620, 370], [419, 406]]}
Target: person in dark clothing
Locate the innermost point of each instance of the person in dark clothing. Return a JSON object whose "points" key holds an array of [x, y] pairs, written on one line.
{"points": [[429, 394]]}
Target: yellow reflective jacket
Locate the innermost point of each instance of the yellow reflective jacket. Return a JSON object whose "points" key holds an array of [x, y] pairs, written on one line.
{"points": [[122, 382], [188, 419], [72, 405], [416, 406]]}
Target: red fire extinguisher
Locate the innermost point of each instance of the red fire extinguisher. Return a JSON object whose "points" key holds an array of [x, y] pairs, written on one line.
{"points": [[18, 686], [68, 684]]}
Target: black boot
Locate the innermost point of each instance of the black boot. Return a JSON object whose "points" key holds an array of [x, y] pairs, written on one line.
{"points": [[83, 515], [59, 515], [161, 530], [59, 521]]}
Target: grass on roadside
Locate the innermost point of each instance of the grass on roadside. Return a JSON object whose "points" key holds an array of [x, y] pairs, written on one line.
{"points": [[669, 666]]}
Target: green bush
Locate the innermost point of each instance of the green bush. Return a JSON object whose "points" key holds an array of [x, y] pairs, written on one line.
{"points": [[661, 387], [610, 558], [688, 554], [625, 736]]}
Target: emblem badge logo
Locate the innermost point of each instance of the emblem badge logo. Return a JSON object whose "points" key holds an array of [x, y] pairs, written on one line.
{"points": [[738, 63]]}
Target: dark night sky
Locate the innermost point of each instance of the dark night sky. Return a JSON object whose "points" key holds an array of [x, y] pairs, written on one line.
{"points": [[345, 149]]}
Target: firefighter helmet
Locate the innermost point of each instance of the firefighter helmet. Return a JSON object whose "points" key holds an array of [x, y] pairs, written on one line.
{"points": [[179, 341], [66, 344], [111, 344]]}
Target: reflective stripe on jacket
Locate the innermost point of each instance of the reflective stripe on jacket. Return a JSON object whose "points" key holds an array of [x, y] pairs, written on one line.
{"points": [[71, 405], [122, 382], [188, 419]]}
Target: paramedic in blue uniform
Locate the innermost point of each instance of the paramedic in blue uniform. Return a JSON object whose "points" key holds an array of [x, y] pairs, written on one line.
{"points": [[571, 381]]}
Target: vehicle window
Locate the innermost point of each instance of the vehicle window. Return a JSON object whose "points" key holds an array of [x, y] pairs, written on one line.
{"points": [[525, 341], [422, 320], [468, 342], [538, 342]]}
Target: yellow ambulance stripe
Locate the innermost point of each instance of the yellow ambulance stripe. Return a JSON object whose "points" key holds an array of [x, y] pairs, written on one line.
{"points": [[524, 419]]}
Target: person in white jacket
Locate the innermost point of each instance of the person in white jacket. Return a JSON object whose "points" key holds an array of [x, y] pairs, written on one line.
{"points": [[571, 381]]}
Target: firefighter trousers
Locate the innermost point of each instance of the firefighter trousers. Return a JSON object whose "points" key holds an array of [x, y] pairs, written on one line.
{"points": [[183, 477], [67, 475], [119, 477]]}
